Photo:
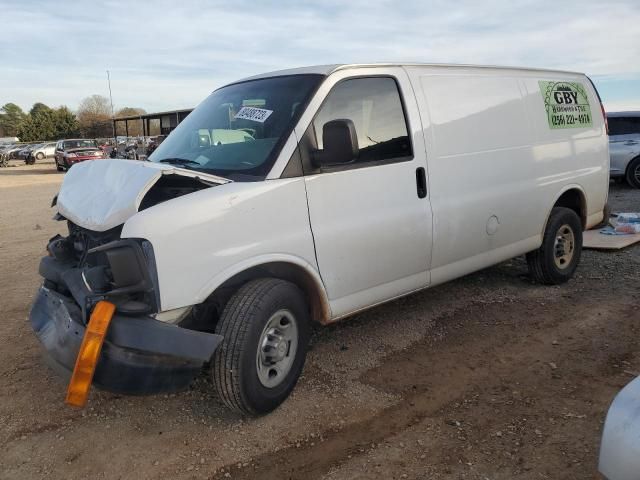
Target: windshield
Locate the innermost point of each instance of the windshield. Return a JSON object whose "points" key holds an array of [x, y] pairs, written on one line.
{"points": [[80, 144], [238, 131]]}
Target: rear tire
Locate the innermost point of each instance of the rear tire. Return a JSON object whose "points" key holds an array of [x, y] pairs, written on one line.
{"points": [[265, 326], [633, 173], [40, 156], [556, 260]]}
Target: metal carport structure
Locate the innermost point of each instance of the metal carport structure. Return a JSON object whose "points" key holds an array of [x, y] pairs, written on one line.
{"points": [[167, 120]]}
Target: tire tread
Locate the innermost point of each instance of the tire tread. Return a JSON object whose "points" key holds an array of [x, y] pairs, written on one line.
{"points": [[539, 267], [233, 325]]}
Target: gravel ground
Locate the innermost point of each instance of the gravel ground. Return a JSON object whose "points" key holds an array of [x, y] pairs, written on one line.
{"points": [[486, 377]]}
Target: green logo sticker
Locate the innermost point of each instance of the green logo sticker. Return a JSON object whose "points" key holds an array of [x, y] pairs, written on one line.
{"points": [[567, 104]]}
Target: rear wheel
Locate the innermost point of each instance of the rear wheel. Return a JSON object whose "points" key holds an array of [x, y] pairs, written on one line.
{"points": [[633, 173], [265, 326], [556, 260], [40, 156]]}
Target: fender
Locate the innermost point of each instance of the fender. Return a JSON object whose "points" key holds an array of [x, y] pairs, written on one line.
{"points": [[221, 277], [566, 188]]}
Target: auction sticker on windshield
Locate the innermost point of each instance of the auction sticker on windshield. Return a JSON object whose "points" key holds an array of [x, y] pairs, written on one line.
{"points": [[567, 104], [253, 113]]}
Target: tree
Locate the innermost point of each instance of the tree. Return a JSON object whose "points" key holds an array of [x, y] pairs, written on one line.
{"points": [[44, 123], [39, 108], [94, 116], [66, 123], [135, 126], [40, 124], [11, 116]]}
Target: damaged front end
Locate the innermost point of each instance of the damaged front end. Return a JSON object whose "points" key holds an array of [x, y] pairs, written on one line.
{"points": [[140, 354]]}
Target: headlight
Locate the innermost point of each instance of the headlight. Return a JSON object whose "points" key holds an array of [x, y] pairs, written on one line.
{"points": [[132, 269]]}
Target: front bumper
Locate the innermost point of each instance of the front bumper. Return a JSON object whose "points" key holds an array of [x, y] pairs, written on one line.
{"points": [[140, 355]]}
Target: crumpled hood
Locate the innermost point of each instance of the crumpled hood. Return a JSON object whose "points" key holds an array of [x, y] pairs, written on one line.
{"points": [[101, 194]]}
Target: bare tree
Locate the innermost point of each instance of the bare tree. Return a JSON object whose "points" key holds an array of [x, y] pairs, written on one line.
{"points": [[94, 116]]}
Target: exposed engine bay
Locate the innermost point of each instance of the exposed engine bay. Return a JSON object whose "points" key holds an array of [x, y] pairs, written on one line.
{"points": [[172, 186], [90, 265]]}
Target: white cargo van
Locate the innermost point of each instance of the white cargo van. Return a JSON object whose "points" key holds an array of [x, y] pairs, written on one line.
{"points": [[308, 195]]}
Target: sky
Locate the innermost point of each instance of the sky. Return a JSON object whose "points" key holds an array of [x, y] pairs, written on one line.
{"points": [[166, 55]]}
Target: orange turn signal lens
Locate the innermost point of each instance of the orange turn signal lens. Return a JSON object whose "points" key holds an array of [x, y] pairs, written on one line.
{"points": [[89, 353]]}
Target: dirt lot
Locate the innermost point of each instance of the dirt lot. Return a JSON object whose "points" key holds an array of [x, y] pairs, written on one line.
{"points": [[487, 377]]}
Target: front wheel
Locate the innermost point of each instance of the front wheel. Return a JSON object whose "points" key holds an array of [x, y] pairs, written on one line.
{"points": [[265, 326], [556, 260]]}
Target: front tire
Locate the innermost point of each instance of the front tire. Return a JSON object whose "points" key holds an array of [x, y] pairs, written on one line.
{"points": [[633, 173], [556, 260], [265, 326], [40, 156]]}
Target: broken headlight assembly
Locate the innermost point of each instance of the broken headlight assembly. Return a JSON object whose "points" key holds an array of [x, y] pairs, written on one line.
{"points": [[124, 271], [90, 267]]}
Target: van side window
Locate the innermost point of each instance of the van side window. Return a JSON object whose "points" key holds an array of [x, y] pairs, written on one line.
{"points": [[623, 125], [375, 108]]}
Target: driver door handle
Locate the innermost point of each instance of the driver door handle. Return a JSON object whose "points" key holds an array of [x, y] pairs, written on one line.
{"points": [[421, 182]]}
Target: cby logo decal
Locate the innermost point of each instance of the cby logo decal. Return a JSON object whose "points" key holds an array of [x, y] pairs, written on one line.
{"points": [[567, 104]]}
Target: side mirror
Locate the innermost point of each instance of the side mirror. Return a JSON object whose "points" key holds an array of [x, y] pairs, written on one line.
{"points": [[340, 144]]}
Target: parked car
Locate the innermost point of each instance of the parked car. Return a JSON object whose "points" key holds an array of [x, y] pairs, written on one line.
{"points": [[23, 154], [72, 151], [624, 146], [306, 196], [4, 155], [13, 151], [620, 445], [46, 150]]}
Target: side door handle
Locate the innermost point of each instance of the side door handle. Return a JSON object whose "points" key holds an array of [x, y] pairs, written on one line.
{"points": [[421, 182], [630, 142]]}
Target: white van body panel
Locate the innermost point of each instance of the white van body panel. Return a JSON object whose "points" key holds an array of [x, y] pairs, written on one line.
{"points": [[199, 239], [372, 233], [495, 167]]}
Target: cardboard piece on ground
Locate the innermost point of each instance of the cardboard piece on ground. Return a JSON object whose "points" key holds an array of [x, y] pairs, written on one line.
{"points": [[597, 241]]}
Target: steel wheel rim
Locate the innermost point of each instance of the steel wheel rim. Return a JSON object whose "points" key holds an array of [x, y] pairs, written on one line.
{"points": [[277, 348], [564, 247]]}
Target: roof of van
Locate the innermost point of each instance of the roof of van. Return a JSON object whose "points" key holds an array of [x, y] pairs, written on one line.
{"points": [[328, 69]]}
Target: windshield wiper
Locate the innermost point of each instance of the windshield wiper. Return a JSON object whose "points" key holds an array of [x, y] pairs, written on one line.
{"points": [[179, 161]]}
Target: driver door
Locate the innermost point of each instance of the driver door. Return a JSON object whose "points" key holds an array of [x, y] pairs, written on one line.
{"points": [[371, 216]]}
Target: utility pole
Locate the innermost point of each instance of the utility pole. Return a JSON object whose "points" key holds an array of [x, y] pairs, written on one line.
{"points": [[113, 122]]}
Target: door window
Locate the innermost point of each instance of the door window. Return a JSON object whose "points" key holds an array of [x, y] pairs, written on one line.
{"points": [[375, 107], [624, 125]]}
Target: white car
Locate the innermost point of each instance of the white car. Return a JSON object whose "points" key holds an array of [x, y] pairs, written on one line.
{"points": [[620, 447], [46, 150], [306, 196], [624, 146]]}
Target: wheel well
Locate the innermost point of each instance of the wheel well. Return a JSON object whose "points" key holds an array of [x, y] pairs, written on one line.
{"points": [[318, 306], [574, 199]]}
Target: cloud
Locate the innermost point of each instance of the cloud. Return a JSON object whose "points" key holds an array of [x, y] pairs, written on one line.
{"points": [[168, 54]]}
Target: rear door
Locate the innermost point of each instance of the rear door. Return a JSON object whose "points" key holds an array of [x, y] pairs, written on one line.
{"points": [[371, 218]]}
